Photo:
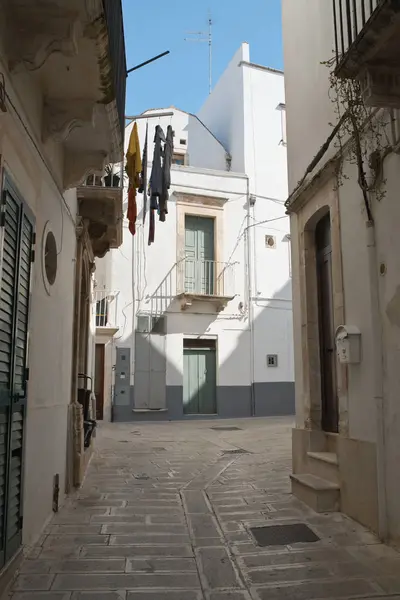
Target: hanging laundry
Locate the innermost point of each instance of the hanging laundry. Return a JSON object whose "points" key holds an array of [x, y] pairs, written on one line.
{"points": [[143, 184], [166, 172], [133, 169], [156, 179]]}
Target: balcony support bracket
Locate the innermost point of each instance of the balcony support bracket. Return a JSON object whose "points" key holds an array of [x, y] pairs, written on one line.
{"points": [[61, 117], [79, 165], [35, 30]]}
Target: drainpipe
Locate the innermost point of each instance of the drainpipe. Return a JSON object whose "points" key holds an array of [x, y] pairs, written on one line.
{"points": [[377, 348], [249, 298]]}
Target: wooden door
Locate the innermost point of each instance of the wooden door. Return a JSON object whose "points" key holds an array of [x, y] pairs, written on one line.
{"points": [[329, 408], [17, 241], [199, 255], [199, 381], [99, 380]]}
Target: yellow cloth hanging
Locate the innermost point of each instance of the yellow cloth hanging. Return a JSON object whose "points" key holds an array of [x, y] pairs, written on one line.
{"points": [[133, 159]]}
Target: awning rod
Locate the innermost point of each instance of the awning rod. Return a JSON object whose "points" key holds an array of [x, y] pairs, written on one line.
{"points": [[149, 116], [147, 62]]}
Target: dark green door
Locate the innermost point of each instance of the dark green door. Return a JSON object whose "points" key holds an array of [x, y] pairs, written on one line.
{"points": [[199, 255], [199, 381], [17, 240]]}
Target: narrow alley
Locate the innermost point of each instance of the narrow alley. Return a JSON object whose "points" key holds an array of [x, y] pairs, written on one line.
{"points": [[165, 513]]}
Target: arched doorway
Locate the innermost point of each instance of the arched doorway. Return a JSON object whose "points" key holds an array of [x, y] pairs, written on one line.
{"points": [[329, 401]]}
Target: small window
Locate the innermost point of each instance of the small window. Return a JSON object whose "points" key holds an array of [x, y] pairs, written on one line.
{"points": [[282, 109], [182, 142], [178, 159]]}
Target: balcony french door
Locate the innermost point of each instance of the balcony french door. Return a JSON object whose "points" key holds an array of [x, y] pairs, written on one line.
{"points": [[199, 255]]}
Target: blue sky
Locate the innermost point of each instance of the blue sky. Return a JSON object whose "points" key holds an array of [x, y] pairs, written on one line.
{"points": [[181, 78]]}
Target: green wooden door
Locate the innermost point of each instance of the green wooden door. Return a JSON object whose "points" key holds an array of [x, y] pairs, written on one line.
{"points": [[17, 240], [199, 255], [199, 381]]}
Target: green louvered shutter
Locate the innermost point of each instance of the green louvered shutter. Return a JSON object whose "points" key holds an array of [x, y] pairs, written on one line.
{"points": [[16, 257]]}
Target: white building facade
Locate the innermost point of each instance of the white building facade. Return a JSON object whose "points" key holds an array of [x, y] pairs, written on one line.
{"points": [[204, 314], [344, 215], [57, 125]]}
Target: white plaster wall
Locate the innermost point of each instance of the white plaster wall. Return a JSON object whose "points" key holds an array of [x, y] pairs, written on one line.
{"points": [[50, 335], [308, 41], [223, 111]]}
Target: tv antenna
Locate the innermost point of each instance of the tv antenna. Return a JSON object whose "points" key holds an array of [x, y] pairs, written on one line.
{"points": [[204, 36]]}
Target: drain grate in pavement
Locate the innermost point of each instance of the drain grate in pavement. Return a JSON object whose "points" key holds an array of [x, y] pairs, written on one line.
{"points": [[282, 535], [226, 428], [236, 451]]}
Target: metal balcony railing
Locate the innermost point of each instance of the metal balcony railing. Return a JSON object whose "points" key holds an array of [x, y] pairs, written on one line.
{"points": [[206, 278], [106, 302], [350, 17], [116, 44]]}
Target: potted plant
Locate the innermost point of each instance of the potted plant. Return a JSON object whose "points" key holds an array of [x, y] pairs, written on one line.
{"points": [[111, 179]]}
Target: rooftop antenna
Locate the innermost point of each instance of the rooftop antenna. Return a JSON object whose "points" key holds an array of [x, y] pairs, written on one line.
{"points": [[204, 36]]}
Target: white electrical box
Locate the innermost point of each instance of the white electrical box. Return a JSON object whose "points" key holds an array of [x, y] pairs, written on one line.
{"points": [[348, 344]]}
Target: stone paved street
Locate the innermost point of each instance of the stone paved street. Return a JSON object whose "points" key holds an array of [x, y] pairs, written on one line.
{"points": [[165, 513]]}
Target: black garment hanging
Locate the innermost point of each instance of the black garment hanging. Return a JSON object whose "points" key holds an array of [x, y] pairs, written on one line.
{"points": [[166, 172], [143, 186]]}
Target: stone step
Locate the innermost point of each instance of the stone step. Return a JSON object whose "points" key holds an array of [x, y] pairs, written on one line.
{"points": [[321, 495], [324, 465]]}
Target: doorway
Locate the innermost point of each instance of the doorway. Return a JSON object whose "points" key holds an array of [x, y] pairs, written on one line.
{"points": [[329, 402], [199, 377], [99, 380], [199, 255]]}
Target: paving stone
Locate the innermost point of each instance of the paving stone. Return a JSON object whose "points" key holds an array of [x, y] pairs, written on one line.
{"points": [[125, 581], [74, 540], [89, 566], [145, 510], [150, 538], [99, 596], [216, 568], [129, 518], [287, 574], [132, 550], [33, 582], [164, 595], [126, 528], [203, 526], [290, 558], [74, 529], [228, 595], [156, 565], [320, 590], [42, 596], [195, 502]]}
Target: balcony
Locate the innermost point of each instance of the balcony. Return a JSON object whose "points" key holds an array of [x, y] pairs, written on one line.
{"points": [[205, 281], [106, 303], [367, 39], [100, 204], [68, 58]]}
